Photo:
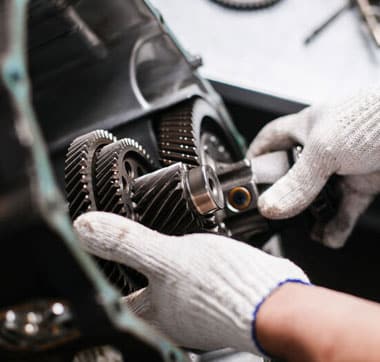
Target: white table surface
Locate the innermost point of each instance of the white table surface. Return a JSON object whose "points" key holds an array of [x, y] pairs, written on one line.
{"points": [[263, 50]]}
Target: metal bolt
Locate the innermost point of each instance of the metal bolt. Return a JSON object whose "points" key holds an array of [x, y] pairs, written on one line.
{"points": [[239, 198]]}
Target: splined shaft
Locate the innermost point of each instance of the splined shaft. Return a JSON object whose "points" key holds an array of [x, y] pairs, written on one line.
{"points": [[176, 200]]}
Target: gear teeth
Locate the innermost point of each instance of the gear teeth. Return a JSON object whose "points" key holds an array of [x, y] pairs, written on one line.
{"points": [[247, 4], [83, 194], [162, 202], [79, 162], [178, 141], [113, 179], [113, 190]]}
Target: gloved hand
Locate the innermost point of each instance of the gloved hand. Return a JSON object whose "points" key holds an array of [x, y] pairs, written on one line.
{"points": [[204, 290], [342, 139]]}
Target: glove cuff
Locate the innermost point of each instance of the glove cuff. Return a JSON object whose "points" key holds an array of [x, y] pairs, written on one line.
{"points": [[255, 339], [271, 274]]}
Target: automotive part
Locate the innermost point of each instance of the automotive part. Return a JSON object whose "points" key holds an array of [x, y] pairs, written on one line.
{"points": [[71, 67], [216, 196], [79, 166], [247, 4]]}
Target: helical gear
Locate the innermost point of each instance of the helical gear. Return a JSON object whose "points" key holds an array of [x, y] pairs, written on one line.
{"points": [[117, 165], [79, 166], [180, 132], [162, 202], [84, 195], [178, 139]]}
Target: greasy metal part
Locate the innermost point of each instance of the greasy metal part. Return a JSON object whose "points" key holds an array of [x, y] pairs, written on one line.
{"points": [[246, 225], [370, 11], [163, 200], [239, 198], [79, 171], [117, 165], [177, 137], [240, 222], [247, 179], [185, 131], [247, 4], [213, 149], [37, 325], [204, 189], [83, 195], [234, 176], [40, 212]]}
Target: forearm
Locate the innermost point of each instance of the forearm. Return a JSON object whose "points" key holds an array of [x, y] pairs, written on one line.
{"points": [[303, 323]]}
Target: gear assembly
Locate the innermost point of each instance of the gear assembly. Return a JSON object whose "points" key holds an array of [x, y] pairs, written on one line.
{"points": [[197, 189], [104, 110]]}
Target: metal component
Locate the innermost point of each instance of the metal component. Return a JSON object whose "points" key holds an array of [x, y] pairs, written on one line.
{"points": [[185, 132], [205, 190], [117, 165], [243, 181], [246, 225], [238, 177], [247, 4], [240, 217], [370, 11], [163, 200], [239, 198], [79, 166], [73, 89], [83, 195], [213, 149], [40, 211], [347, 5], [40, 324], [195, 61]]}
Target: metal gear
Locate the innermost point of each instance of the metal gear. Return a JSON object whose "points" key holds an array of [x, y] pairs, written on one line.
{"points": [[181, 131], [83, 194], [164, 200], [246, 4], [79, 166], [117, 165]]}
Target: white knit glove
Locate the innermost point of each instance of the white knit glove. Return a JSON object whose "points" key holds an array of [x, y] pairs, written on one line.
{"points": [[342, 139], [204, 290]]}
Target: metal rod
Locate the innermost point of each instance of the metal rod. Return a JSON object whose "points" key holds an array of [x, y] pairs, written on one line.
{"points": [[327, 22]]}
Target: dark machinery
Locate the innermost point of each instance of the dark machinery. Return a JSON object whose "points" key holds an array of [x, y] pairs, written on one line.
{"points": [[79, 70], [202, 192]]}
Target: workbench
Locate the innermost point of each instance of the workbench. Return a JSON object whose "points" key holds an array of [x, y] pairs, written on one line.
{"points": [[263, 51]]}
